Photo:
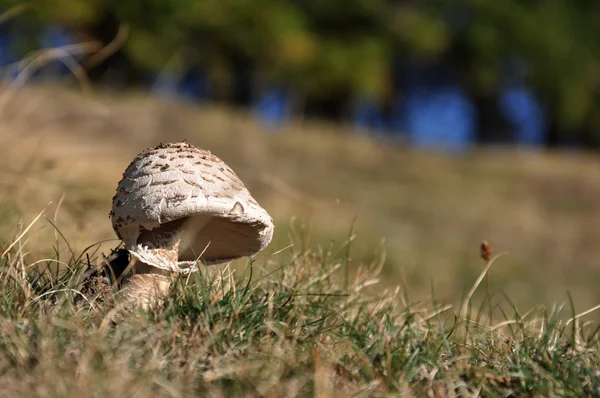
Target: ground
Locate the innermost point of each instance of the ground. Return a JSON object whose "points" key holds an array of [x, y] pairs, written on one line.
{"points": [[366, 287]]}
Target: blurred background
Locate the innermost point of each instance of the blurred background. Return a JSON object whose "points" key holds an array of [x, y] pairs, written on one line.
{"points": [[423, 125]]}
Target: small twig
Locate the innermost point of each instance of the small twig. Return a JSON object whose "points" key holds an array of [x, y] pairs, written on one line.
{"points": [[108, 50], [12, 12]]}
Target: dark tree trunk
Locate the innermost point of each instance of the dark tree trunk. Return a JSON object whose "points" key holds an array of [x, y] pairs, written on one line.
{"points": [[243, 80], [553, 134], [590, 135], [491, 126], [334, 107]]}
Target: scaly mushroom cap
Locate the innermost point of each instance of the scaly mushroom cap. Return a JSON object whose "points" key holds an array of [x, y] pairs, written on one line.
{"points": [[176, 203]]}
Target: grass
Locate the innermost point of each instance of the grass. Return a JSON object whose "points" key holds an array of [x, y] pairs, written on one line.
{"points": [[303, 325], [327, 309], [431, 210]]}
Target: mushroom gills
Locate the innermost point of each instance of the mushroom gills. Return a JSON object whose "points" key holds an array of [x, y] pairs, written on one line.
{"points": [[224, 240], [211, 238], [161, 246]]}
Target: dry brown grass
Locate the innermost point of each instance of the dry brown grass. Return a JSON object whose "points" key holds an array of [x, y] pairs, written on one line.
{"points": [[432, 210]]}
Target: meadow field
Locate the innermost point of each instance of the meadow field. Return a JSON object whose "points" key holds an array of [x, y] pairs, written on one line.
{"points": [[366, 288], [430, 211]]}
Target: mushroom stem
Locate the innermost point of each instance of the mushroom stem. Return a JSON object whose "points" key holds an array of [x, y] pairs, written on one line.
{"points": [[145, 285]]}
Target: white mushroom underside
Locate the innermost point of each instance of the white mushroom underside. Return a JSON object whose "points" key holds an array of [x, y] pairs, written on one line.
{"points": [[179, 245]]}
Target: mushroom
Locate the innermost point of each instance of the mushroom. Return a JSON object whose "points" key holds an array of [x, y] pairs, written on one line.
{"points": [[177, 205]]}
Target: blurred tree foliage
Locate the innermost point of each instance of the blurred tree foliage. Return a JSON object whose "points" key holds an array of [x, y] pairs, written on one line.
{"points": [[346, 48]]}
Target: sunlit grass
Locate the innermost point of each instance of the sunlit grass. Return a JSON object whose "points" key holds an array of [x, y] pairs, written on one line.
{"points": [[301, 325], [428, 208]]}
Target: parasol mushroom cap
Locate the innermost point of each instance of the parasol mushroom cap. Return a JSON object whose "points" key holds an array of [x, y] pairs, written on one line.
{"points": [[177, 203]]}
